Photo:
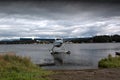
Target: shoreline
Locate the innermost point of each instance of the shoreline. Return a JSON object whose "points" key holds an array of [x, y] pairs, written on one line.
{"points": [[87, 74]]}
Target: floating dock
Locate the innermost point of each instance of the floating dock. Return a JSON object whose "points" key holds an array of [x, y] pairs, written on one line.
{"points": [[46, 64]]}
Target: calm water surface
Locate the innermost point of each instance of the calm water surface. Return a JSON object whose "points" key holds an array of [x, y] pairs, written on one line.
{"points": [[83, 56]]}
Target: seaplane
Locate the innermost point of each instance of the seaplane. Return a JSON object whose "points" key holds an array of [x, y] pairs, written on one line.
{"points": [[58, 50], [58, 43]]}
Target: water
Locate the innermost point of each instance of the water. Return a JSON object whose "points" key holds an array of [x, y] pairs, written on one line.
{"points": [[83, 56]]}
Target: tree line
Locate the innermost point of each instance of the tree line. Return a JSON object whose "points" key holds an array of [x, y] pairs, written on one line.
{"points": [[94, 39], [98, 39]]}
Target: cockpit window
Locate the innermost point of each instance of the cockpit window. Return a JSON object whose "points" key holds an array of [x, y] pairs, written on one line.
{"points": [[58, 39]]}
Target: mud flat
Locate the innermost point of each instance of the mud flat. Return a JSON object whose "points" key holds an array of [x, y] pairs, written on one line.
{"points": [[89, 74]]}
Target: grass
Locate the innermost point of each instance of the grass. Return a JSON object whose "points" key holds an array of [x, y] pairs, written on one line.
{"points": [[110, 62], [14, 67]]}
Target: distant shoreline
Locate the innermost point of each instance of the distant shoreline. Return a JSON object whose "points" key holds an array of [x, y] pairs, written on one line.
{"points": [[94, 39]]}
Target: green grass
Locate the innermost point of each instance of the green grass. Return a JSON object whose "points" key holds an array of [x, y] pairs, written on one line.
{"points": [[110, 62], [14, 67]]}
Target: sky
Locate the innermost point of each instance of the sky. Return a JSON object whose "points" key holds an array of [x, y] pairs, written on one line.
{"points": [[53, 18]]}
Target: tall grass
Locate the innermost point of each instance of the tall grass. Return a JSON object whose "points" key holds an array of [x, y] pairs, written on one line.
{"points": [[110, 62], [14, 67]]}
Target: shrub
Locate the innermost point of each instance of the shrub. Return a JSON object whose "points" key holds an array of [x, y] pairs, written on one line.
{"points": [[110, 62]]}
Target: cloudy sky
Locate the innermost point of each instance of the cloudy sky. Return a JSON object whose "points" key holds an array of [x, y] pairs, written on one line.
{"points": [[48, 19]]}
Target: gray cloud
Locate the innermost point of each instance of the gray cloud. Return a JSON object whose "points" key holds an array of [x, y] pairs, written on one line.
{"points": [[50, 19]]}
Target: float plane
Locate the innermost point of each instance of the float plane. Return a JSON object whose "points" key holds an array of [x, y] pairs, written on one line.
{"points": [[58, 50]]}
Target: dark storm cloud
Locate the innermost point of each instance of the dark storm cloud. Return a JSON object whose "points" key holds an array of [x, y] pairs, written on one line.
{"points": [[63, 18]]}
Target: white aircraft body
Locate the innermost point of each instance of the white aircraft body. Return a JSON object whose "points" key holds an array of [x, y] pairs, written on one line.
{"points": [[58, 45], [58, 51]]}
